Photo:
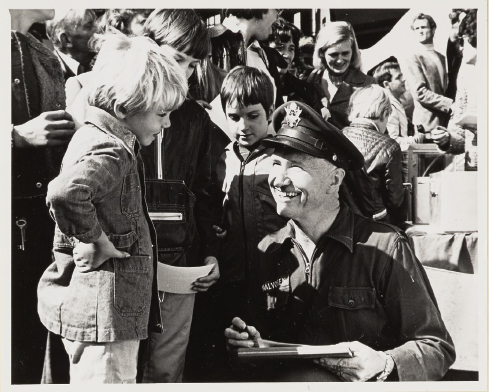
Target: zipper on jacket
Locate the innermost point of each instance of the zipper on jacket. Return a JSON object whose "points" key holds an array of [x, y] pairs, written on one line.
{"points": [[159, 163], [307, 263]]}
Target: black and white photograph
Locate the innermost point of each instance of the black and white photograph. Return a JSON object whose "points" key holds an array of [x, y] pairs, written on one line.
{"points": [[246, 198]]}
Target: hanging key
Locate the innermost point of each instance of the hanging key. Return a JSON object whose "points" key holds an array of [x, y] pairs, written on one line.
{"points": [[21, 224]]}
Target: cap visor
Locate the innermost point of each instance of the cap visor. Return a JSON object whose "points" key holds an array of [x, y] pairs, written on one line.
{"points": [[292, 143]]}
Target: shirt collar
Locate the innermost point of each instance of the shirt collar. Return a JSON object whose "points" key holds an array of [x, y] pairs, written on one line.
{"points": [[111, 125], [70, 62], [341, 230]]}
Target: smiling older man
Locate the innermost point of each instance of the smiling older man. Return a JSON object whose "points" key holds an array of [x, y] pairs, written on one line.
{"points": [[331, 276]]}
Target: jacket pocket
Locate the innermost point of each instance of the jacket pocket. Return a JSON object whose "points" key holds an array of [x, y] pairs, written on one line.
{"points": [[131, 196], [132, 285], [351, 298], [170, 205]]}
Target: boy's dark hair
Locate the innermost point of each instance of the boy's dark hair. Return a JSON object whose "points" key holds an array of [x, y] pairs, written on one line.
{"points": [[283, 31], [182, 29], [383, 72], [247, 86], [468, 27], [245, 13], [430, 20]]}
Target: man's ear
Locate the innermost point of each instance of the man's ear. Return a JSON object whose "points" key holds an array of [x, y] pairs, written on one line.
{"points": [[65, 40], [385, 84], [336, 179], [120, 111]]}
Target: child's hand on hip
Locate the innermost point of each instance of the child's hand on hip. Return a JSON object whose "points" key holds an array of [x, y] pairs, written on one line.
{"points": [[88, 257]]}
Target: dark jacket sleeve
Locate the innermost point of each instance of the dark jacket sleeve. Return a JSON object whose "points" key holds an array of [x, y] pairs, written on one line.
{"points": [[428, 351], [208, 210], [394, 191]]}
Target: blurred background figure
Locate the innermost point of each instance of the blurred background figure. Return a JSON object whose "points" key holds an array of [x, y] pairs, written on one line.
{"points": [[237, 42], [129, 21], [337, 72], [454, 51], [70, 32], [377, 188], [285, 39], [426, 75], [461, 133], [41, 130]]}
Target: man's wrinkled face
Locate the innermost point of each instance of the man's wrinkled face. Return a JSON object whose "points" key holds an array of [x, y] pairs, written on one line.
{"points": [[424, 33], [301, 183]]}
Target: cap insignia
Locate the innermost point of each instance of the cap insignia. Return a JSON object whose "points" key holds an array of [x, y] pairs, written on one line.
{"points": [[293, 113]]}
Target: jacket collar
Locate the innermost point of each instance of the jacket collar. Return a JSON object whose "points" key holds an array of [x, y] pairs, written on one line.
{"points": [[342, 230], [112, 126], [364, 123]]}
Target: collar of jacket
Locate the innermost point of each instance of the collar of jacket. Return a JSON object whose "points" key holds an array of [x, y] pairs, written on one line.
{"points": [[364, 123], [354, 76], [111, 125], [342, 230]]}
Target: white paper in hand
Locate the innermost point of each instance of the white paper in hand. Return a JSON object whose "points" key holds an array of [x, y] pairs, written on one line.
{"points": [[179, 280]]}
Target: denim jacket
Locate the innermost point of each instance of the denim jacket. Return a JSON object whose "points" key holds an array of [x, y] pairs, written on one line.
{"points": [[100, 188]]}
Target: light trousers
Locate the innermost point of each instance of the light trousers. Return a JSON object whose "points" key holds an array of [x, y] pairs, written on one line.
{"points": [[102, 363]]}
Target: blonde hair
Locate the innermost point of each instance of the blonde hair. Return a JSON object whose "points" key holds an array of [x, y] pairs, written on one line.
{"points": [[137, 75], [370, 102], [331, 34]]}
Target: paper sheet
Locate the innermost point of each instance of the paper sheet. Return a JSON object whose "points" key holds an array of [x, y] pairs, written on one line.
{"points": [[179, 279]]}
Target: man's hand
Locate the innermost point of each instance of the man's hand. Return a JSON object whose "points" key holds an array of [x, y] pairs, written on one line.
{"points": [[365, 364], [240, 335], [88, 257], [48, 129], [440, 136], [203, 284]]}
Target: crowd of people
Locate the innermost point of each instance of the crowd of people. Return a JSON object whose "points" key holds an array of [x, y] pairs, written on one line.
{"points": [[298, 209]]}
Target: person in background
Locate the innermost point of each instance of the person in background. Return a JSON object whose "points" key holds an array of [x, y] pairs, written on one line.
{"points": [[454, 51], [237, 42], [41, 129], [377, 188], [70, 32], [128, 21], [426, 76], [100, 293], [337, 72], [389, 76], [334, 277], [461, 134], [285, 39]]}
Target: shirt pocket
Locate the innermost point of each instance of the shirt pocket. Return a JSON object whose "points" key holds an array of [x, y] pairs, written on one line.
{"points": [[351, 298], [132, 285], [131, 196]]}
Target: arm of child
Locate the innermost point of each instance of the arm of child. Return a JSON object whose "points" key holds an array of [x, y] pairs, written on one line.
{"points": [[88, 257]]}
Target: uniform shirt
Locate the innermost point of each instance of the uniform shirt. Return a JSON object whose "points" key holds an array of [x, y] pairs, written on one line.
{"points": [[363, 283]]}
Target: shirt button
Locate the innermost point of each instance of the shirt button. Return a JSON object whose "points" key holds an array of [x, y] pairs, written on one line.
{"points": [[16, 81], [351, 303], [38, 185], [58, 105]]}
